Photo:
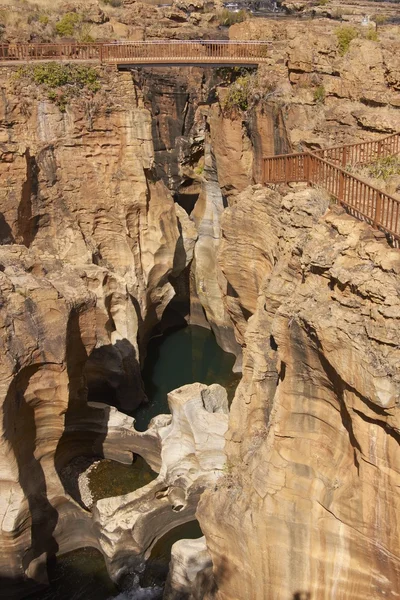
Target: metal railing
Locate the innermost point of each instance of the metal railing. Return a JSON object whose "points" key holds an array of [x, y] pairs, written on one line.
{"points": [[155, 51], [360, 199]]}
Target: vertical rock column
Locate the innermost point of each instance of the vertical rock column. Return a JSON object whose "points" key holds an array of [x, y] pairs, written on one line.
{"points": [[209, 286]]}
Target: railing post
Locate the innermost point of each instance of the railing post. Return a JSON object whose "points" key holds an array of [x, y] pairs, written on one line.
{"points": [[306, 167], [378, 209], [286, 169], [344, 156], [379, 153], [101, 53], [341, 186]]}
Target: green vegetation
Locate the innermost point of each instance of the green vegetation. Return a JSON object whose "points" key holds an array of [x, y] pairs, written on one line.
{"points": [[62, 81], [66, 26], [85, 33], [384, 167], [322, 2], [345, 35], [199, 170], [228, 18], [43, 19], [238, 94], [371, 34], [319, 94], [114, 3], [380, 19], [230, 74]]}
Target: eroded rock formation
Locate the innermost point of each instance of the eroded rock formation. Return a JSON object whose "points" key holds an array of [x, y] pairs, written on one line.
{"points": [[192, 459], [95, 245], [311, 498]]}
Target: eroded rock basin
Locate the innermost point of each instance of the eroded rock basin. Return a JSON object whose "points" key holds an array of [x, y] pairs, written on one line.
{"points": [[179, 357]]}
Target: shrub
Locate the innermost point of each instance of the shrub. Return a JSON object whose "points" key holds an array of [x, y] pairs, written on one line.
{"points": [[85, 33], [345, 35], [371, 34], [114, 3], [43, 19], [199, 170], [62, 81], [380, 19], [65, 27], [238, 94], [384, 167], [319, 94], [322, 2], [227, 17]]}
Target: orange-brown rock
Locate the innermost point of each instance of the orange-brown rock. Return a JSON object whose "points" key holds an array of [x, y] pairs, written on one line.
{"points": [[309, 503]]}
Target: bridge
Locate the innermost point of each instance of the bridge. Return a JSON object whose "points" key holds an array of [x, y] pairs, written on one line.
{"points": [[154, 52], [330, 169]]}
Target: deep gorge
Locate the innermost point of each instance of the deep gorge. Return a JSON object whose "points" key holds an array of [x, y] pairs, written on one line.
{"points": [[145, 220]]}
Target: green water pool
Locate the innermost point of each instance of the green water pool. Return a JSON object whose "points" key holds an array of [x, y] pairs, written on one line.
{"points": [[177, 358], [180, 357], [110, 478]]}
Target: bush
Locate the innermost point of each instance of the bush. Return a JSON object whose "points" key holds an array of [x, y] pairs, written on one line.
{"points": [[227, 17], [385, 167], [62, 81], [114, 3], [65, 27], [85, 33], [380, 19], [238, 94], [322, 2], [43, 19], [319, 94], [345, 35], [371, 34]]}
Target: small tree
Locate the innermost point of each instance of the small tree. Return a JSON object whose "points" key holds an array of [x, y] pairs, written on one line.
{"points": [[345, 35]]}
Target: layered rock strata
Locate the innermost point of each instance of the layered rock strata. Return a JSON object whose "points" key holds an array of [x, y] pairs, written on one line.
{"points": [[309, 503], [88, 243]]}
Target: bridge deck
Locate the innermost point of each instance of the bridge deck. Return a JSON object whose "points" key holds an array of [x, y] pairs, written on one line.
{"points": [[139, 53]]}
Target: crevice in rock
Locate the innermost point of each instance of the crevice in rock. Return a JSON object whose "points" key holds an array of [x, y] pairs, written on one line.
{"points": [[27, 223]]}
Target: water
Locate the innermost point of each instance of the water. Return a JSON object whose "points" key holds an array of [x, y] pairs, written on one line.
{"points": [[175, 359], [110, 478], [157, 565], [78, 575], [179, 357]]}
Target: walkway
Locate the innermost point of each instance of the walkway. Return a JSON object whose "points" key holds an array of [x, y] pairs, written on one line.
{"points": [[138, 53], [330, 169]]}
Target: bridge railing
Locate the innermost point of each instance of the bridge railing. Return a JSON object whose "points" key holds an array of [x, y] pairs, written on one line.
{"points": [[50, 52], [160, 51], [360, 199], [361, 153]]}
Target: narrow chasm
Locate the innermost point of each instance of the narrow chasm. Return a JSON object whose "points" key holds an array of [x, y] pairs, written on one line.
{"points": [[117, 458]]}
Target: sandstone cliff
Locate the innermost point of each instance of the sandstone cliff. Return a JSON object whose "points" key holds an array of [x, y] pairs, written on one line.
{"points": [[89, 239], [309, 503]]}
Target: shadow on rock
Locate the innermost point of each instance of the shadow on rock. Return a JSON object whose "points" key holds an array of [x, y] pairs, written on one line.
{"points": [[20, 431]]}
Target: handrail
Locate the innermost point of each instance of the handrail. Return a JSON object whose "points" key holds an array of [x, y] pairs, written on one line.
{"points": [[156, 51], [361, 152], [362, 200]]}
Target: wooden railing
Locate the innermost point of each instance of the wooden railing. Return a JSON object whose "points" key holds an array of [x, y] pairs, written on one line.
{"points": [[360, 199], [155, 52], [361, 153]]}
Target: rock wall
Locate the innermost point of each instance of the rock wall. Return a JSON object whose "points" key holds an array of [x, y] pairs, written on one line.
{"points": [[308, 505], [89, 238], [328, 97]]}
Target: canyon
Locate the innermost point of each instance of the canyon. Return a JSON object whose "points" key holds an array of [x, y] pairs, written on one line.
{"points": [[138, 207]]}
